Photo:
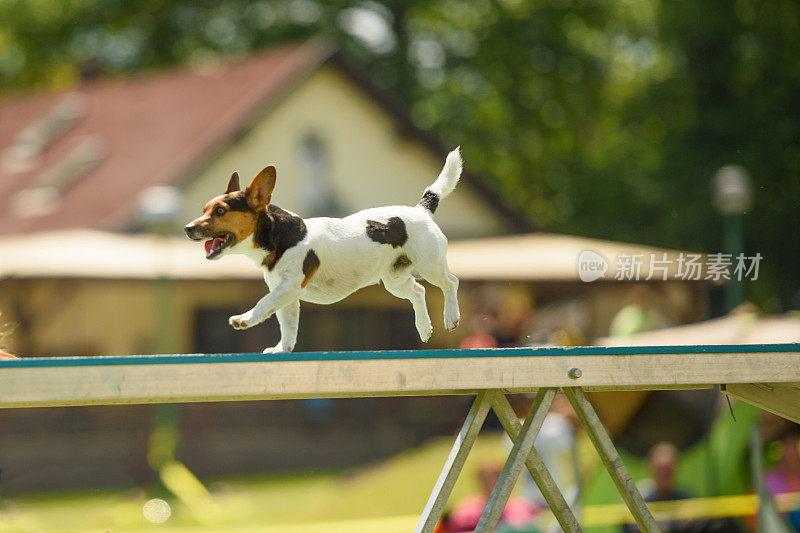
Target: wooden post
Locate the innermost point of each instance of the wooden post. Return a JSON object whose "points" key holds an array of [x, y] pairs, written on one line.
{"points": [[516, 460], [611, 459], [454, 463], [541, 476]]}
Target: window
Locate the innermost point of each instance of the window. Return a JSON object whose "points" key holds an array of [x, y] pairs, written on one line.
{"points": [[316, 186]]}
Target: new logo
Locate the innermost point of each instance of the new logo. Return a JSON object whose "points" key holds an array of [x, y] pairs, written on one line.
{"points": [[591, 266]]}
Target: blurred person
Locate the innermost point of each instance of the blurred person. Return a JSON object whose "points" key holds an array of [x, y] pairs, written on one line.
{"points": [[479, 334], [560, 323], [784, 477], [556, 445], [663, 458], [512, 320], [518, 513], [512, 307]]}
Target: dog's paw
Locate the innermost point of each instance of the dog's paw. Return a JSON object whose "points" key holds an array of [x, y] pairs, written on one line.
{"points": [[451, 318], [279, 348], [425, 330], [243, 321]]}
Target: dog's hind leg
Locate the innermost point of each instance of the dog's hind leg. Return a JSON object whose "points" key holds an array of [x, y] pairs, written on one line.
{"points": [[288, 319], [438, 274], [406, 287]]}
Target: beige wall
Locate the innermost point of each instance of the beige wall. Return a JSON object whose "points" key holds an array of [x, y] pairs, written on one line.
{"points": [[370, 163]]}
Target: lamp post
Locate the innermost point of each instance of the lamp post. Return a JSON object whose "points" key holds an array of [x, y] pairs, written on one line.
{"points": [[159, 209], [732, 196]]}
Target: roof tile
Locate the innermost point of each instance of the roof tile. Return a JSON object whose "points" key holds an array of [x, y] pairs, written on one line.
{"points": [[155, 130]]}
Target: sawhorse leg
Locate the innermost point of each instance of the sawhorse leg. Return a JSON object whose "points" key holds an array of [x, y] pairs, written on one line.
{"points": [[611, 459], [541, 476], [523, 450], [524, 454], [455, 461], [520, 454]]}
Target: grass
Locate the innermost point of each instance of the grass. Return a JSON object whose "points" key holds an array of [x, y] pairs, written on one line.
{"points": [[386, 497], [383, 497]]}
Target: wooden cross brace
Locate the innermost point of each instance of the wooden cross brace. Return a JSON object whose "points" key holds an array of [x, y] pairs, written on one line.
{"points": [[523, 454]]}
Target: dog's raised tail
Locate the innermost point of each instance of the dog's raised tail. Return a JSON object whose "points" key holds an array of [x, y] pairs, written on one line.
{"points": [[444, 184]]}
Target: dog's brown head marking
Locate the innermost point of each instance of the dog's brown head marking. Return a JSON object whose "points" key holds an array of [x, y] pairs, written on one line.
{"points": [[233, 216], [237, 214]]}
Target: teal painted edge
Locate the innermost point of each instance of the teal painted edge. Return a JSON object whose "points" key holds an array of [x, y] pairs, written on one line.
{"points": [[390, 354]]}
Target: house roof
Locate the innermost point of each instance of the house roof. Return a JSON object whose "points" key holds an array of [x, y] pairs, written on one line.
{"points": [[95, 254], [81, 159]]}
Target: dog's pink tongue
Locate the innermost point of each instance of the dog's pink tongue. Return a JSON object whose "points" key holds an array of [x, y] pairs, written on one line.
{"points": [[214, 243]]}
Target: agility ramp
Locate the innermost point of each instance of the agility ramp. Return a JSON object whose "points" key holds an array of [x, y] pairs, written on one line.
{"points": [[766, 375]]}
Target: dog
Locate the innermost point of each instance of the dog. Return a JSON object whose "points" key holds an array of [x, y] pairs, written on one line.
{"points": [[323, 260]]}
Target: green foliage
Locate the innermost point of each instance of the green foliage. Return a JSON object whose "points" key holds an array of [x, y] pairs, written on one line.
{"points": [[599, 118]]}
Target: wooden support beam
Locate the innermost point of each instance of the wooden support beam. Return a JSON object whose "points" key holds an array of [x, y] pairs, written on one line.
{"points": [[38, 382], [611, 459], [454, 463], [782, 399], [541, 476], [516, 460]]}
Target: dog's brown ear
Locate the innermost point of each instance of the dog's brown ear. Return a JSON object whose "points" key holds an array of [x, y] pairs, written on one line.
{"points": [[233, 183], [260, 189]]}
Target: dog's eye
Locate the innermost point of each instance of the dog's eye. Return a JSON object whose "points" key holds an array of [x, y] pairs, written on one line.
{"points": [[219, 211]]}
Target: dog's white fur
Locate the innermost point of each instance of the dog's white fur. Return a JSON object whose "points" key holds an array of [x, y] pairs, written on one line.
{"points": [[350, 260]]}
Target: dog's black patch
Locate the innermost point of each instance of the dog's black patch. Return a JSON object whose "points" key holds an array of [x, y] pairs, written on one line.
{"points": [[310, 266], [402, 261], [277, 231], [430, 201], [237, 202], [393, 232]]}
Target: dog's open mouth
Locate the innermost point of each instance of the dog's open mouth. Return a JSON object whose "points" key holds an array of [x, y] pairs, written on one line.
{"points": [[216, 244]]}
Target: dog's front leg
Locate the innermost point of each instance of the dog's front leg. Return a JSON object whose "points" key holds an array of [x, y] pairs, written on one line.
{"points": [[288, 319], [287, 291]]}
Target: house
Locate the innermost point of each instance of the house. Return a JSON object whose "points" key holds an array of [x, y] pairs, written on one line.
{"points": [[82, 159]]}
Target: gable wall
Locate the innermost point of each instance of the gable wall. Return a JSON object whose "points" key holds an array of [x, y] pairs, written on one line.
{"points": [[369, 163]]}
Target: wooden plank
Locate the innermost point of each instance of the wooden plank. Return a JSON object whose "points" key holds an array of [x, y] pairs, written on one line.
{"points": [[454, 463], [222, 378], [516, 460], [782, 399], [399, 354], [541, 476], [611, 459]]}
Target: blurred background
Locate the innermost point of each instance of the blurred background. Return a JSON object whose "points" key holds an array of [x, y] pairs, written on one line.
{"points": [[645, 132]]}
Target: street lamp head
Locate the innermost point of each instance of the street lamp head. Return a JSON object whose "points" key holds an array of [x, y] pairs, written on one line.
{"points": [[160, 205], [732, 191]]}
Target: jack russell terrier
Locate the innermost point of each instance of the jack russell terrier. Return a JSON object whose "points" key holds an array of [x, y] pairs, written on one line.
{"points": [[323, 260]]}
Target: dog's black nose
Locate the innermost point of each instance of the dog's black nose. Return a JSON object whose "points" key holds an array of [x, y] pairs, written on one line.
{"points": [[188, 229]]}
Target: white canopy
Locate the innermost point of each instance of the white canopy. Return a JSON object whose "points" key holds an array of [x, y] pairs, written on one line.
{"points": [[95, 254]]}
